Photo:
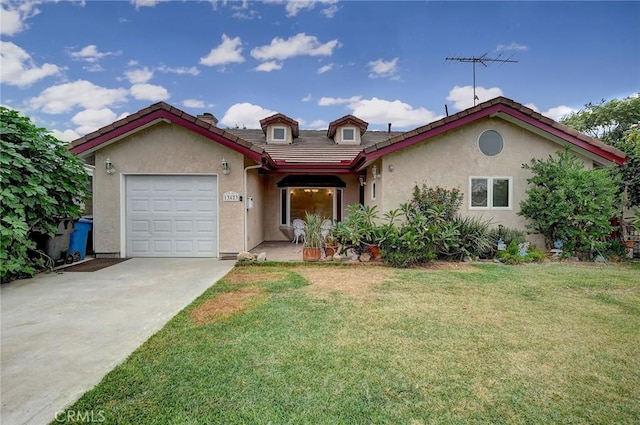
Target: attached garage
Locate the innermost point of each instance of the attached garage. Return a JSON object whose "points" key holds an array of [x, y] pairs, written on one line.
{"points": [[171, 216]]}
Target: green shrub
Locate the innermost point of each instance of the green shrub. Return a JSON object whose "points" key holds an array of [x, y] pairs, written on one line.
{"points": [[437, 202], [42, 182], [567, 202], [512, 254]]}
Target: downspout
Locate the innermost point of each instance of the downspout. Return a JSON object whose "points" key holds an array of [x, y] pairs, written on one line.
{"points": [[245, 198]]}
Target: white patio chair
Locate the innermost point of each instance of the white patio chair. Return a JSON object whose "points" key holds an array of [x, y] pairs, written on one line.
{"points": [[298, 230], [326, 226]]}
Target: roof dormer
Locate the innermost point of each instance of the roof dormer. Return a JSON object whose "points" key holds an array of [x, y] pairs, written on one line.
{"points": [[347, 130], [279, 128]]}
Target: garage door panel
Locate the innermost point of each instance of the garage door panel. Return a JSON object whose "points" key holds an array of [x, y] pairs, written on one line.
{"points": [[139, 205], [171, 216]]}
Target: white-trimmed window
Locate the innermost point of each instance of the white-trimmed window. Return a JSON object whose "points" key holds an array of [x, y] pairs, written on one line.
{"points": [[490, 193], [348, 134], [279, 134], [373, 190]]}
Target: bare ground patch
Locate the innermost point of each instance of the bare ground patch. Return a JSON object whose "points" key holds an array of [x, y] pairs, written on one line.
{"points": [[246, 275], [356, 282], [224, 305]]}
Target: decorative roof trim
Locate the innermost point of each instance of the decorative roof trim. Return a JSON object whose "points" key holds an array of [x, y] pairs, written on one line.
{"points": [[346, 120]]}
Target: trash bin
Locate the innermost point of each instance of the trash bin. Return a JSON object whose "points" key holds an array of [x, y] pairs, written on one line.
{"points": [[79, 238], [57, 247]]}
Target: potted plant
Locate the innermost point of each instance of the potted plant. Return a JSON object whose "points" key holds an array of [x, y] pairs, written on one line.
{"points": [[312, 249], [330, 246]]}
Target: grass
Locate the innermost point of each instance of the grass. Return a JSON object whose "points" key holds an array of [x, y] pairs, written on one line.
{"points": [[314, 344]]}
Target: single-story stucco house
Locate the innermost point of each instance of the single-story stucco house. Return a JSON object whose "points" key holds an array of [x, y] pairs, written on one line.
{"points": [[170, 184]]}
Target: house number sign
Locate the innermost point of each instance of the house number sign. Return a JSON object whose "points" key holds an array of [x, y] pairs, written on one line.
{"points": [[231, 197]]}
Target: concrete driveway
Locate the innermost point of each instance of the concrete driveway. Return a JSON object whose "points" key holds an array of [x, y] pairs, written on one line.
{"points": [[62, 332]]}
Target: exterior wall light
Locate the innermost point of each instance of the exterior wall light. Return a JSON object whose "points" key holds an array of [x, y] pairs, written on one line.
{"points": [[362, 181], [108, 165], [374, 172], [225, 167]]}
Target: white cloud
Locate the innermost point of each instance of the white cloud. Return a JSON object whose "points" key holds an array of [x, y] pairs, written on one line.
{"points": [[307, 98], [14, 15], [137, 76], [331, 101], [299, 45], [400, 114], [18, 69], [325, 68], [558, 112], [269, 66], [510, 47], [92, 119], [146, 3], [294, 7], [330, 12], [149, 92], [180, 70], [462, 97], [229, 51], [81, 93], [383, 69], [91, 54], [241, 11], [65, 135], [196, 103], [245, 115]]}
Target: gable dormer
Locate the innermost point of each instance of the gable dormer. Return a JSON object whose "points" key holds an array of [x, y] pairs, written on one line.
{"points": [[347, 130], [279, 129]]}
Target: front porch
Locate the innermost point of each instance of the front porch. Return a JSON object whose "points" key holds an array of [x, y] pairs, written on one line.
{"points": [[280, 250]]}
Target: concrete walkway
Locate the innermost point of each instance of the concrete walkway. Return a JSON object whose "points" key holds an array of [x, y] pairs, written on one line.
{"points": [[62, 332]]}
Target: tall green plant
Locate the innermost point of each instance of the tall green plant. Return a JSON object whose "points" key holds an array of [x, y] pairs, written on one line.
{"points": [[41, 182], [313, 230], [567, 202]]}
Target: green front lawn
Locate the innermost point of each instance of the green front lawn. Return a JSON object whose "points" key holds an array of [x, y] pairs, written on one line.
{"points": [[315, 344]]}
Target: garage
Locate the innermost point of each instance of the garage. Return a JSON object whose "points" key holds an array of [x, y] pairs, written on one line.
{"points": [[171, 216]]}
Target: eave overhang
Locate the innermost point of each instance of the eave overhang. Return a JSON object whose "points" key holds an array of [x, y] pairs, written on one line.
{"points": [[535, 122], [162, 113]]}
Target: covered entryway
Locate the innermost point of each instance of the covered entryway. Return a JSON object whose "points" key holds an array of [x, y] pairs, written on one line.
{"points": [[171, 216]]}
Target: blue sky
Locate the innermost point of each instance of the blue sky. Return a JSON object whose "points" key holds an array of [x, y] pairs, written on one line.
{"points": [[76, 66]]}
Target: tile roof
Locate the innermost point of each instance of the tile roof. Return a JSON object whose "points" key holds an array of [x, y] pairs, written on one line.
{"points": [[314, 151], [312, 146]]}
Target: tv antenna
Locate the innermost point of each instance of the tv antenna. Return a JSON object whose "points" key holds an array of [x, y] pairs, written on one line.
{"points": [[482, 60]]}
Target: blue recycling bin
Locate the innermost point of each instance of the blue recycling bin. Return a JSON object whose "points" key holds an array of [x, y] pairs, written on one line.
{"points": [[79, 237]]}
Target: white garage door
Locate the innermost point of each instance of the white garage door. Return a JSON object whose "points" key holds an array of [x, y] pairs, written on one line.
{"points": [[171, 216]]}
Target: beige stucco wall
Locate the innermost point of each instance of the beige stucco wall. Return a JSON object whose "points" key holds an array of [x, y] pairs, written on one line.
{"points": [[255, 215], [165, 149], [450, 159]]}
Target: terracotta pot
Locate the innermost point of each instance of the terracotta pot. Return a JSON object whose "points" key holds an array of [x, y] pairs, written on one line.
{"points": [[329, 251], [375, 251], [311, 254]]}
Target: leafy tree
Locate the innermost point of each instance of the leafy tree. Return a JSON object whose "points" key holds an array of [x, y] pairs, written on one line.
{"points": [[616, 123], [607, 121], [567, 202], [41, 182]]}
